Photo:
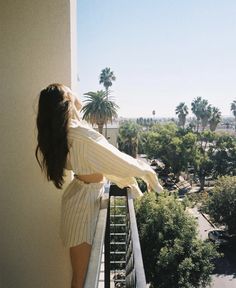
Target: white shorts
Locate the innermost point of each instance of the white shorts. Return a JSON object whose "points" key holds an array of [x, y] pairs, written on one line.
{"points": [[79, 212]]}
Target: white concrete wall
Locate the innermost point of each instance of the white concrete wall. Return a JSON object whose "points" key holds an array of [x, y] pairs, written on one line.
{"points": [[36, 49], [112, 135]]}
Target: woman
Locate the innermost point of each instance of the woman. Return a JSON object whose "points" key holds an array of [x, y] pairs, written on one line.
{"points": [[66, 142]]}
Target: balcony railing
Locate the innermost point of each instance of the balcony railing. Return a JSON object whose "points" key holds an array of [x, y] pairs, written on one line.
{"points": [[120, 262]]}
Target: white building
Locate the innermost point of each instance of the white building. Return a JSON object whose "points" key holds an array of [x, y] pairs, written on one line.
{"points": [[38, 45]]}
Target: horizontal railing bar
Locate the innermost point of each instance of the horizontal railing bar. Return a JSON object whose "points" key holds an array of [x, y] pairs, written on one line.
{"points": [[118, 225], [119, 262], [118, 252], [118, 206], [120, 215], [117, 270], [117, 243], [118, 234]]}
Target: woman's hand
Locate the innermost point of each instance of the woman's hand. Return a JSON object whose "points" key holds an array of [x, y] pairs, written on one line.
{"points": [[149, 188]]}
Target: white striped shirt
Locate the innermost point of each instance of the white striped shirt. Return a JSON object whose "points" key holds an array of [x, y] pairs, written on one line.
{"points": [[90, 152]]}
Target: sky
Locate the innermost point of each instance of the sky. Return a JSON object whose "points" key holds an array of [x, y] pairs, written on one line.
{"points": [[162, 52]]}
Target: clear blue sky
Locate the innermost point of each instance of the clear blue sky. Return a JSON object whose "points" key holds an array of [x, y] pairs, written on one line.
{"points": [[162, 52]]}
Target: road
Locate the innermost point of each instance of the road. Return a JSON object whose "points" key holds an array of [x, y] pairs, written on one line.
{"points": [[225, 273]]}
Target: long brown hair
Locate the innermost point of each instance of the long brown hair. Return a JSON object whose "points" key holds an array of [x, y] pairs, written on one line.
{"points": [[54, 108]]}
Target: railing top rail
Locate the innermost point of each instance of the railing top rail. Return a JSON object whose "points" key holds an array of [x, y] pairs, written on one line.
{"points": [[93, 273], [138, 260]]}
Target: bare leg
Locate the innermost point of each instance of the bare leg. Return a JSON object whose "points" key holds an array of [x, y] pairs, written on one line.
{"points": [[79, 256]]}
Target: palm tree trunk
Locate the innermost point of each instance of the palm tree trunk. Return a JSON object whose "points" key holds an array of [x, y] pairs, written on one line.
{"points": [[106, 122], [100, 128], [197, 125], [202, 183]]}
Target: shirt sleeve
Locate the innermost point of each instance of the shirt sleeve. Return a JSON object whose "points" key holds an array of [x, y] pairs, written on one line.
{"points": [[119, 167]]}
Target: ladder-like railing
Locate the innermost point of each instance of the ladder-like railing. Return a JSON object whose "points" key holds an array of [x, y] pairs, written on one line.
{"points": [[117, 230]]}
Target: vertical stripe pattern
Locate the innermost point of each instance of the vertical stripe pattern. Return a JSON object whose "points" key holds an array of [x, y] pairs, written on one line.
{"points": [[79, 212], [91, 153]]}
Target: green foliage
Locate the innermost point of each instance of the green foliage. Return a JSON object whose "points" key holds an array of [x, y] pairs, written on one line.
{"points": [[221, 204], [173, 256], [205, 114], [202, 161], [209, 153], [194, 199], [106, 78], [174, 147], [128, 137], [216, 156], [142, 185], [146, 122], [182, 111], [233, 109], [99, 109], [215, 118], [224, 156]]}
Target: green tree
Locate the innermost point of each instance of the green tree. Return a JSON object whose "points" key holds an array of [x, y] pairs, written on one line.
{"points": [[182, 112], [173, 255], [215, 118], [233, 109], [224, 156], [203, 160], [128, 137], [178, 149], [106, 78], [221, 205], [161, 143], [99, 109], [175, 150]]}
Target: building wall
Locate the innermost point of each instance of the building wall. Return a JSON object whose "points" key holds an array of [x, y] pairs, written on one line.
{"points": [[112, 135], [36, 49]]}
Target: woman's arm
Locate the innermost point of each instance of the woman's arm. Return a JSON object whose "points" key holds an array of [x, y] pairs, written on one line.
{"points": [[119, 167]]}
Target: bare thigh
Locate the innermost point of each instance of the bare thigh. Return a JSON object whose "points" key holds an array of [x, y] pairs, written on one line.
{"points": [[79, 256]]}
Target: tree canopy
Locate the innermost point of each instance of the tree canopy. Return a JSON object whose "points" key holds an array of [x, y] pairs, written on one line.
{"points": [[128, 137], [233, 109], [106, 78], [207, 152], [173, 255], [98, 109], [182, 112], [221, 205]]}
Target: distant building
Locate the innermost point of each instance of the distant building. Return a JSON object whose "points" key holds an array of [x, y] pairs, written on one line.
{"points": [[112, 132]]}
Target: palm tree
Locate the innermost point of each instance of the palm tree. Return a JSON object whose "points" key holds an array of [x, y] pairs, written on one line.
{"points": [[182, 111], [233, 109], [196, 109], [129, 137], [106, 78], [215, 118], [202, 111], [99, 109], [205, 113]]}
